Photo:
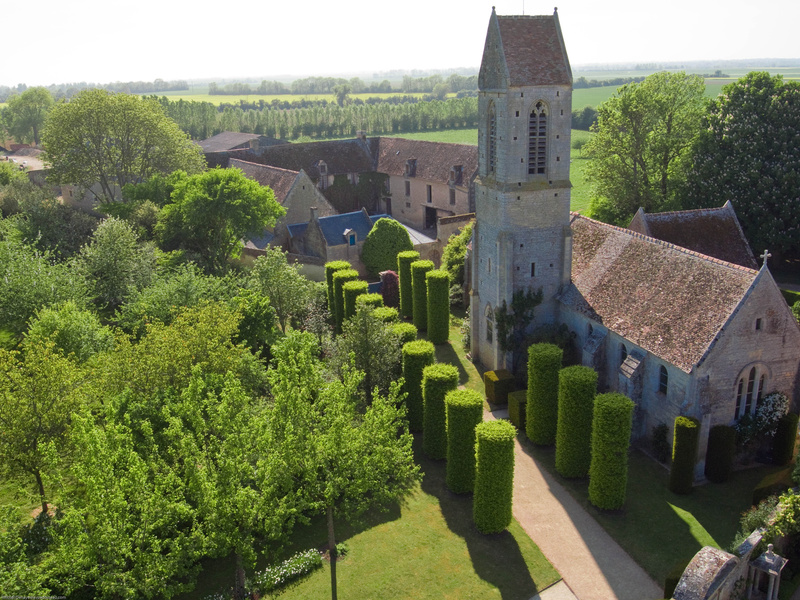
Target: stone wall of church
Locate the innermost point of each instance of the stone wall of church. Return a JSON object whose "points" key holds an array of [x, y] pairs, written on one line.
{"points": [[302, 196]]}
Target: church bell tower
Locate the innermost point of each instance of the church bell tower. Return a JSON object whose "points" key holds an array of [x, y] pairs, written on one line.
{"points": [[522, 235]]}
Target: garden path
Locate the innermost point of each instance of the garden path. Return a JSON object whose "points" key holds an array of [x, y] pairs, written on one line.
{"points": [[593, 566]]}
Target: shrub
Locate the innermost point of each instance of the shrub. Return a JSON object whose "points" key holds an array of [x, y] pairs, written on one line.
{"points": [[339, 279], [497, 385], [277, 576], [416, 356], [351, 290], [438, 317], [384, 241], [684, 454], [659, 443], [419, 292], [544, 363], [719, 455], [466, 332], [404, 260], [373, 300], [784, 441], [405, 331], [611, 435], [516, 408], [330, 269], [464, 412], [765, 420], [387, 314], [437, 380], [454, 254], [756, 517], [576, 390], [390, 289], [494, 475]]}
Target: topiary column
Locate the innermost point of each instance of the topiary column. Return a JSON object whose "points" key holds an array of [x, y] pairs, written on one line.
{"points": [[373, 300], [684, 454], [387, 314], [416, 356], [404, 260], [720, 452], [464, 411], [419, 270], [437, 380], [352, 290], [390, 289], [330, 269], [341, 277], [611, 437], [576, 390], [785, 438], [541, 418], [438, 289], [494, 476], [405, 331]]}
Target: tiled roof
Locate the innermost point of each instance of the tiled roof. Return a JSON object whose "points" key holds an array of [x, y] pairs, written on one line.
{"points": [[280, 180], [433, 159], [668, 300], [227, 140], [534, 51], [712, 231], [340, 156], [297, 229]]}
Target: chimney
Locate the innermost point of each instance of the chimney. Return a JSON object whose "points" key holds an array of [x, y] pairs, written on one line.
{"points": [[314, 213]]}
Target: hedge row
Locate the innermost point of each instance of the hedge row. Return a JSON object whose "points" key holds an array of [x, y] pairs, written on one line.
{"points": [[437, 380], [416, 356], [494, 475], [464, 412], [719, 456], [351, 290], [516, 408], [497, 385], [341, 277], [438, 290], [577, 386], [419, 292], [544, 363], [405, 331], [784, 440], [404, 260], [612, 421], [684, 454], [330, 269]]}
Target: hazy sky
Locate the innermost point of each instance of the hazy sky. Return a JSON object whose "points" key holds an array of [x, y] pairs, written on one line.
{"points": [[56, 41]]}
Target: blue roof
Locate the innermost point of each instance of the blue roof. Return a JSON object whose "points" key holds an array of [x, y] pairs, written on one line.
{"points": [[260, 240], [297, 229], [334, 226]]}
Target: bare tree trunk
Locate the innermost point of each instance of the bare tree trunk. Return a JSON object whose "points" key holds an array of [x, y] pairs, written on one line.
{"points": [[332, 551], [39, 483], [238, 588]]}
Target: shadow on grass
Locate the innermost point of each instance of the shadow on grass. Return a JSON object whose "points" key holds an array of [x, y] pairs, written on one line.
{"points": [[495, 558], [445, 353]]}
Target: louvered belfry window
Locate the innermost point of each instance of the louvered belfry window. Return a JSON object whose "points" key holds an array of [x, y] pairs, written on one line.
{"points": [[537, 140], [492, 138]]}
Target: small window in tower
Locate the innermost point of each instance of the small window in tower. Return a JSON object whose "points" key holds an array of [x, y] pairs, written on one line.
{"points": [[663, 380], [758, 324], [562, 113], [533, 269], [490, 265], [558, 93], [408, 188], [430, 194], [517, 113], [521, 245], [452, 197]]}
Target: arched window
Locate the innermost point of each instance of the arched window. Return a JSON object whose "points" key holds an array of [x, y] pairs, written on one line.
{"points": [[739, 390], [491, 135], [749, 390], [623, 353], [537, 140], [663, 380], [489, 324], [751, 387]]}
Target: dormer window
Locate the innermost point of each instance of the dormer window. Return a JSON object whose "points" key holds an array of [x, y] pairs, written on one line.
{"points": [[455, 175], [411, 167], [350, 237]]}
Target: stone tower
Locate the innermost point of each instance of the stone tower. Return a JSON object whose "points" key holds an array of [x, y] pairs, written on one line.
{"points": [[522, 236]]}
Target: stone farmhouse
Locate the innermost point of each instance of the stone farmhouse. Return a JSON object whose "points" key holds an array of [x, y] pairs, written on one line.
{"points": [[674, 312]]}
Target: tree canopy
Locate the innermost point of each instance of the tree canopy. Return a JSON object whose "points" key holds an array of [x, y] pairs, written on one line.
{"points": [[642, 138], [25, 115], [386, 238], [749, 153], [112, 140]]}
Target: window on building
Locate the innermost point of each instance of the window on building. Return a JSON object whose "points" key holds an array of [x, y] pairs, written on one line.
{"points": [[452, 197], [492, 138], [408, 188], [489, 324], [352, 239], [739, 391], [429, 193], [537, 140], [533, 269], [663, 380], [758, 324], [749, 391], [623, 353]]}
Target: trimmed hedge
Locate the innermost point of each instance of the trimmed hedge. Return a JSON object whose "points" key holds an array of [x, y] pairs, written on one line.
{"points": [[383, 242], [464, 410], [611, 437], [352, 290], [339, 279], [419, 292], [494, 475], [390, 289], [516, 408], [497, 385], [684, 454], [373, 300], [404, 260], [387, 314], [416, 356], [405, 331], [330, 269], [544, 363], [784, 440], [437, 380], [719, 454], [438, 290], [577, 387]]}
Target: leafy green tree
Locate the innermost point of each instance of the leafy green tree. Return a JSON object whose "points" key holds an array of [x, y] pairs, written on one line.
{"points": [[20, 573], [385, 240], [211, 212], [109, 139], [289, 292], [748, 154], [9, 172], [342, 93], [642, 140], [26, 114], [74, 331], [455, 253]]}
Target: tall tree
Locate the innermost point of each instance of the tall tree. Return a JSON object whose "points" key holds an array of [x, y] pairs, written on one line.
{"points": [[289, 292], [749, 153], [26, 114], [112, 140], [642, 140]]}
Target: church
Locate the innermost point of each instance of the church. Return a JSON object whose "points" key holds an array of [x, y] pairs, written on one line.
{"points": [[679, 330]]}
